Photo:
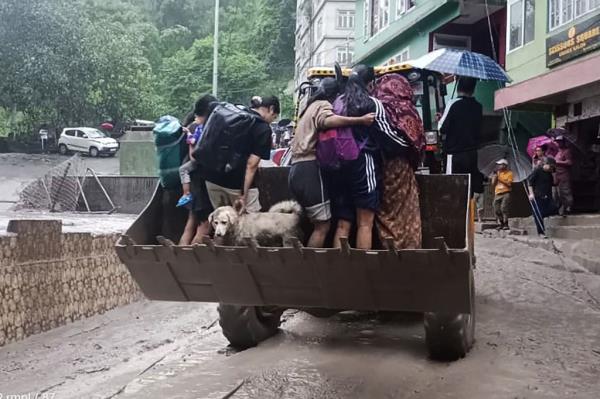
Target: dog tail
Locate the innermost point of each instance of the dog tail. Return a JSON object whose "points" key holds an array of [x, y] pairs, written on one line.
{"points": [[291, 207]]}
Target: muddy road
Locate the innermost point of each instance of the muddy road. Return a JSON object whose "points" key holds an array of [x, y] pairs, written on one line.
{"points": [[538, 336]]}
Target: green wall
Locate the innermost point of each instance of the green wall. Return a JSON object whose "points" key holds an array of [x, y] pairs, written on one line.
{"points": [[411, 30], [530, 60]]}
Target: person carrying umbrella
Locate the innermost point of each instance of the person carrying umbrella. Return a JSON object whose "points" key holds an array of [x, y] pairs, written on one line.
{"points": [[502, 181], [461, 126], [540, 193]]}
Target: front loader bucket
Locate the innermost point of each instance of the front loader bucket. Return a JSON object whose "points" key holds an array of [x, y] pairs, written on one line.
{"points": [[433, 279]]}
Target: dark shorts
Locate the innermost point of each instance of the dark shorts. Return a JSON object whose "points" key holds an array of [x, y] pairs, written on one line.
{"points": [[201, 205], [307, 187], [357, 185]]}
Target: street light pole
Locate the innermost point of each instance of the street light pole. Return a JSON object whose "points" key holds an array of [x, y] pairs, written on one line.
{"points": [[215, 80]]}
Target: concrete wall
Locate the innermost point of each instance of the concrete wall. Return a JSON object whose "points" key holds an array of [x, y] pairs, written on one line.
{"points": [[130, 194], [137, 155], [49, 278]]}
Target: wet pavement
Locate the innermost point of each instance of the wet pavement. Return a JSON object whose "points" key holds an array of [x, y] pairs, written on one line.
{"points": [[537, 337]]}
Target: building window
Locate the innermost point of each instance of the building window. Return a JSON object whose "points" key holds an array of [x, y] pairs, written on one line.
{"points": [[521, 20], [403, 56], [366, 20], [319, 59], [402, 6], [451, 41], [319, 30], [380, 15], [561, 12], [399, 58], [344, 19], [345, 55]]}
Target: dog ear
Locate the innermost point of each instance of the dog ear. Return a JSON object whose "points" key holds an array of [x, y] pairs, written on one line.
{"points": [[211, 218], [239, 207]]}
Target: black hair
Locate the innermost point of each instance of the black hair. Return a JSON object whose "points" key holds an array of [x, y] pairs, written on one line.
{"points": [[327, 91], [466, 84], [267, 102], [203, 105], [356, 95]]}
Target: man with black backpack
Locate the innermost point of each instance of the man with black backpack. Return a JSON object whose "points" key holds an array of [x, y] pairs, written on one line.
{"points": [[234, 141]]}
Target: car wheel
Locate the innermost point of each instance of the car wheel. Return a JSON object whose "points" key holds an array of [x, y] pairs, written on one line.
{"points": [[450, 336], [94, 152], [63, 150], [247, 326]]}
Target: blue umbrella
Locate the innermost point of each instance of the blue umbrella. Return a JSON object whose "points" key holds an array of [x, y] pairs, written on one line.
{"points": [[462, 63]]}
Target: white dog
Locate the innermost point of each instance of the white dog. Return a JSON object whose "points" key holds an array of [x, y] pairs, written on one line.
{"points": [[275, 228]]}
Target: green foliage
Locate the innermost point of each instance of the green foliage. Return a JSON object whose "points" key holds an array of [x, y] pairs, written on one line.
{"points": [[85, 61]]}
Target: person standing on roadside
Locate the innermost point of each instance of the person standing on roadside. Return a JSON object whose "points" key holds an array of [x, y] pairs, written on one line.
{"points": [[502, 181], [460, 126], [540, 193], [562, 176], [43, 133]]}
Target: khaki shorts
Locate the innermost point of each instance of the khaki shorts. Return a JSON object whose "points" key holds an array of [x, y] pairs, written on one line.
{"points": [[221, 196]]}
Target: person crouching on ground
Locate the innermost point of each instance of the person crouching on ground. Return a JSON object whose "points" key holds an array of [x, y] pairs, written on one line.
{"points": [[502, 181], [305, 179]]}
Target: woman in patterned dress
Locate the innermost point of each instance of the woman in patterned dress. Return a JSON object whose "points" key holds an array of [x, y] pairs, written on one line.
{"points": [[399, 217]]}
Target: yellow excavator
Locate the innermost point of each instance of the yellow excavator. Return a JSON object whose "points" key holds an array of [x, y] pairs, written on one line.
{"points": [[255, 285]]}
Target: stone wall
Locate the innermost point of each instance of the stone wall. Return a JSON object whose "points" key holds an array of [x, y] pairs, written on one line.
{"points": [[49, 278]]}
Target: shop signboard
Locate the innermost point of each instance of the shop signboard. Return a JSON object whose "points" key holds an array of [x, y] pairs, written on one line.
{"points": [[580, 39]]}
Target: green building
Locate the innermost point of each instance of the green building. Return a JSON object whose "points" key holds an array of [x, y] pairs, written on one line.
{"points": [[391, 31], [553, 57]]}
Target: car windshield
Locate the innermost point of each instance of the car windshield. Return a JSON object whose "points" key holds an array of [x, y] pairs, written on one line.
{"points": [[94, 134]]}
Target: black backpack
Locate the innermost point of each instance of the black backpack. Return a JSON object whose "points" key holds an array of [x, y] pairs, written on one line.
{"points": [[225, 138]]}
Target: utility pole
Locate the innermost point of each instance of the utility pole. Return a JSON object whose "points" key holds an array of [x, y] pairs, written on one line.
{"points": [[215, 80]]}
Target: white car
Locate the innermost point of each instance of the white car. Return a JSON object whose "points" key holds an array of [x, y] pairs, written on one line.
{"points": [[87, 140]]}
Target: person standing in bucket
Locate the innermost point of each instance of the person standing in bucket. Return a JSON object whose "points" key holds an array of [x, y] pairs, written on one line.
{"points": [[305, 180], [502, 181], [461, 127]]}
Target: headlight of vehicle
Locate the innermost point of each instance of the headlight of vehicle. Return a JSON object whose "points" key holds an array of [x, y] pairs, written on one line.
{"points": [[431, 138]]}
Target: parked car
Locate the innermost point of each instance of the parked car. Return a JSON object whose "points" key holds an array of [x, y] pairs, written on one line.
{"points": [[86, 140]]}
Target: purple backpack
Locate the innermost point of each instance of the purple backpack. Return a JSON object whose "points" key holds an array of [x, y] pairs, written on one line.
{"points": [[337, 145]]}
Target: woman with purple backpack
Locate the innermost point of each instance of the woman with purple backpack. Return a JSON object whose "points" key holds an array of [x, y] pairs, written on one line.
{"points": [[305, 180], [356, 186]]}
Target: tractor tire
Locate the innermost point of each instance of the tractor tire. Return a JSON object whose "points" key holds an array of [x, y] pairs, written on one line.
{"points": [[63, 150], [247, 326], [450, 337]]}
